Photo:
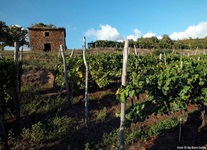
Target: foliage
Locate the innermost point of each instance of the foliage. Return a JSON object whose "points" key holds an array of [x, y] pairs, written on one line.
{"points": [[102, 114], [105, 43], [170, 85], [16, 34], [103, 70], [11, 34], [36, 133], [3, 34], [52, 129], [160, 51], [154, 43], [3, 31], [7, 87], [165, 42], [40, 24], [155, 129]]}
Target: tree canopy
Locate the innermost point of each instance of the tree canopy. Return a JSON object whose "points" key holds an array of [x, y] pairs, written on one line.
{"points": [[40, 25], [11, 34], [154, 43], [3, 31]]}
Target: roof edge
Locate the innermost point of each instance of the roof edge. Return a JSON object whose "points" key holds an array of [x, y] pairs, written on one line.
{"points": [[46, 28]]}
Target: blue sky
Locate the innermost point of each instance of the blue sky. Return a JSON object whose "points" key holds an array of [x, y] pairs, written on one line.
{"points": [[111, 19]]}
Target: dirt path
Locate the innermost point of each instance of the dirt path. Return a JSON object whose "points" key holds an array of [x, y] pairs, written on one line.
{"points": [[41, 77]]}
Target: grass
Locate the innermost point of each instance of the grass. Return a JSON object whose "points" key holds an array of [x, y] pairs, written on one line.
{"points": [[102, 114], [137, 134], [50, 130]]}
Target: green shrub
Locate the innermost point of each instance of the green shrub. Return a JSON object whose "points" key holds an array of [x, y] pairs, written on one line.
{"points": [[37, 133], [60, 126], [52, 129]]}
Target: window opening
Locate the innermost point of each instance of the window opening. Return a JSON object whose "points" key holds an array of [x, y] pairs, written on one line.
{"points": [[47, 33]]}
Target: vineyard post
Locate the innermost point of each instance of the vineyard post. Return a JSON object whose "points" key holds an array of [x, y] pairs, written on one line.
{"points": [[123, 107], [180, 126], [65, 74], [181, 62], [160, 58], [20, 66], [135, 50], [165, 59], [1, 57], [173, 50], [21, 54], [16, 49], [86, 82], [72, 52], [136, 54]]}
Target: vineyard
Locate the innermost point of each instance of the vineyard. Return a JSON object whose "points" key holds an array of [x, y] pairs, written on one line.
{"points": [[165, 97]]}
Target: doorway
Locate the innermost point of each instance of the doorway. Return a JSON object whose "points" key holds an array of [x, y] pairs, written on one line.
{"points": [[47, 47]]}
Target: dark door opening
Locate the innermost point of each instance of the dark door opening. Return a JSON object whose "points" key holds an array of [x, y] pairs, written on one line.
{"points": [[47, 47]]}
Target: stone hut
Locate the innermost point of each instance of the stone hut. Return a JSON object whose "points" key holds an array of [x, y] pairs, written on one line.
{"points": [[46, 38]]}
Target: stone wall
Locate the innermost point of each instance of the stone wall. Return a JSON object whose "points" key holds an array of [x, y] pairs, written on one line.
{"points": [[47, 39]]}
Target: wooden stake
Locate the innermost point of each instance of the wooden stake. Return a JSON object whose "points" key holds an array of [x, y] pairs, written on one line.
{"points": [[160, 58], [135, 50], [181, 62], [123, 107], [165, 59], [66, 75], [173, 50], [1, 57], [21, 54], [86, 82], [72, 52], [16, 50]]}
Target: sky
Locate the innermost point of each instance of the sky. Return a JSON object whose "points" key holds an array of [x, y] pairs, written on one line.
{"points": [[114, 20]]}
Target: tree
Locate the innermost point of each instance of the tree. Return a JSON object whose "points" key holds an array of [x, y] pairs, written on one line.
{"points": [[166, 42], [131, 43], [143, 42], [3, 31], [16, 34], [3, 34], [153, 42], [11, 34]]}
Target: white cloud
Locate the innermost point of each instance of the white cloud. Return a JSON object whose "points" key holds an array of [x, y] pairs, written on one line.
{"points": [[198, 31], [149, 34], [159, 37], [105, 33], [137, 34], [16, 25]]}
